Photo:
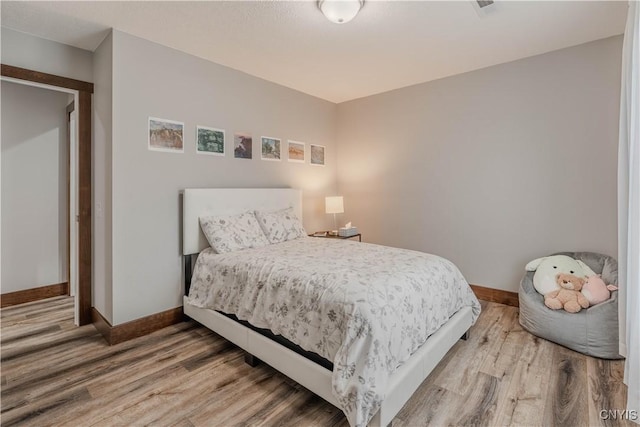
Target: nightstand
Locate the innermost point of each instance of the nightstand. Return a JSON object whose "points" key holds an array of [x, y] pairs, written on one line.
{"points": [[329, 236]]}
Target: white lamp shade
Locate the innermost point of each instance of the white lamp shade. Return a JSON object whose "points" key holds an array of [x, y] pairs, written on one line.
{"points": [[334, 205], [340, 11]]}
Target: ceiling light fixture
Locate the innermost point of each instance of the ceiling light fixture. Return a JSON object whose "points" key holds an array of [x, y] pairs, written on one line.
{"points": [[340, 11]]}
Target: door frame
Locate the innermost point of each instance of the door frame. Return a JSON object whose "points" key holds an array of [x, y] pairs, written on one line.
{"points": [[83, 115], [72, 196]]}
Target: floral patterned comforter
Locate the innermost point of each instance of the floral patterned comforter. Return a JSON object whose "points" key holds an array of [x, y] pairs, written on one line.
{"points": [[365, 307]]}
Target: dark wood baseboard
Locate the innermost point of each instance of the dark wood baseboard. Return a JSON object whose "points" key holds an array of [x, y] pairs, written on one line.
{"points": [[34, 294], [135, 328], [146, 325], [496, 295], [101, 324]]}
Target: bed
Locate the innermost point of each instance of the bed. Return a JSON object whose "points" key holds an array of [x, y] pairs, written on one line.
{"points": [[330, 298]]}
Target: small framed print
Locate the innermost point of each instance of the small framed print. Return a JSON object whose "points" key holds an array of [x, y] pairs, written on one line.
{"points": [[166, 135], [209, 141], [270, 148], [296, 151], [317, 155], [242, 145]]}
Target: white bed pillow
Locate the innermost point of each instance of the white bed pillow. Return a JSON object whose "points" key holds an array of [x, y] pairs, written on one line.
{"points": [[280, 226], [228, 233]]}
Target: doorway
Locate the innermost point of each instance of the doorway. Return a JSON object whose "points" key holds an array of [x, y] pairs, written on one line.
{"points": [[79, 179]]}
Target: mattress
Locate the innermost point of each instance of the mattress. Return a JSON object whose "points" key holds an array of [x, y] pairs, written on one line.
{"points": [[364, 307]]}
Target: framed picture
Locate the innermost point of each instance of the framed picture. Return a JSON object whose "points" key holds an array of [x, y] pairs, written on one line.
{"points": [[270, 148], [242, 145], [166, 135], [317, 155], [209, 141], [296, 151]]}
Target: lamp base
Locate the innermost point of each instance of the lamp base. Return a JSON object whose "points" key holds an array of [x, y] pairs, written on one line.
{"points": [[333, 232]]}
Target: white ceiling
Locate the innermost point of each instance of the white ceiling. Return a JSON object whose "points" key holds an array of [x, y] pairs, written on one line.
{"points": [[390, 44]]}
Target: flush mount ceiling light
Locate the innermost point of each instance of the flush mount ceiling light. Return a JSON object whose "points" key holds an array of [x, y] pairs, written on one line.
{"points": [[340, 11]]}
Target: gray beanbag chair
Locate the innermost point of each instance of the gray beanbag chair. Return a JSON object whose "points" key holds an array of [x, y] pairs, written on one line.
{"points": [[593, 331]]}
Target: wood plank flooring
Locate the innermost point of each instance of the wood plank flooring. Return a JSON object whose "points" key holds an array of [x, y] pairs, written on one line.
{"points": [[53, 373]]}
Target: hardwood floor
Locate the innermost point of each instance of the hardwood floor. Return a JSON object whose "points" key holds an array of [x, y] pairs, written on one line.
{"points": [[185, 375]]}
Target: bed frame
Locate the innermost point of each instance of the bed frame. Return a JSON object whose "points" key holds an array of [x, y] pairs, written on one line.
{"points": [[402, 383]]}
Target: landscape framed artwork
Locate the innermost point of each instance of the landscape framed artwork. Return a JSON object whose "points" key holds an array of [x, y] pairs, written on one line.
{"points": [[209, 141], [270, 148], [296, 151], [317, 155], [242, 145], [166, 135]]}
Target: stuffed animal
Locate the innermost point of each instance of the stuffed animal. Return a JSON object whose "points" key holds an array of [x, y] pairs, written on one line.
{"points": [[547, 268], [569, 296], [596, 291]]}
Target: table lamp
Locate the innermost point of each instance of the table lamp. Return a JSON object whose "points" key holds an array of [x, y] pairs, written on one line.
{"points": [[334, 205]]}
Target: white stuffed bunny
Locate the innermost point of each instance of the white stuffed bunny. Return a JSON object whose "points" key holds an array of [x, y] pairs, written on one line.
{"points": [[547, 268]]}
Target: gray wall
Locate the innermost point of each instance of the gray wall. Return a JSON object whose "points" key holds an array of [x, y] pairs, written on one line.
{"points": [[490, 168], [153, 80], [34, 187], [102, 177], [34, 53]]}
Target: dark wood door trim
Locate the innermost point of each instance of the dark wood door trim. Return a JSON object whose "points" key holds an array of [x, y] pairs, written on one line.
{"points": [[85, 89], [47, 79], [84, 208]]}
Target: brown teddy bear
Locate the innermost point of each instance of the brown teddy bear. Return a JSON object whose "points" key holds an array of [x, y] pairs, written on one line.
{"points": [[569, 296]]}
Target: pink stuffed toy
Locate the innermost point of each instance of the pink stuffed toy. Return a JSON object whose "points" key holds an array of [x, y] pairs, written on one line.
{"points": [[596, 291]]}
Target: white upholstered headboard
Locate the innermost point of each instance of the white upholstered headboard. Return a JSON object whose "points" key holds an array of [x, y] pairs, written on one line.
{"points": [[199, 202]]}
